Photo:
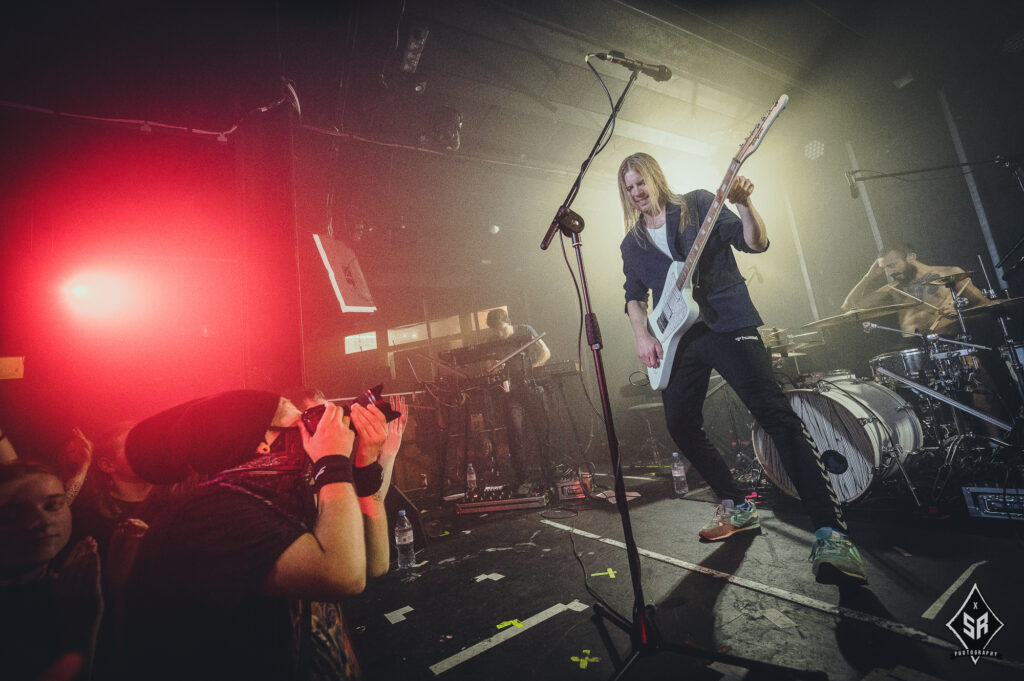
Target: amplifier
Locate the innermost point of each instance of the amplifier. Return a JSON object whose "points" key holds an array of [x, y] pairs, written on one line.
{"points": [[994, 502]]}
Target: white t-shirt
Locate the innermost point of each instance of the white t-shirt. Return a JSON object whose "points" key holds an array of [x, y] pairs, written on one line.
{"points": [[660, 238]]}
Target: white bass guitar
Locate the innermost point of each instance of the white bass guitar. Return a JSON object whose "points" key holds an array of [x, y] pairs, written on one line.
{"points": [[676, 311]]}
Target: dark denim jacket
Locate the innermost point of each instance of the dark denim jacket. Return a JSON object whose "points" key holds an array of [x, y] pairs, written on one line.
{"points": [[719, 288]]}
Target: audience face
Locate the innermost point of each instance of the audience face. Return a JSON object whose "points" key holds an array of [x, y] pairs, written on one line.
{"points": [[111, 457], [35, 520]]}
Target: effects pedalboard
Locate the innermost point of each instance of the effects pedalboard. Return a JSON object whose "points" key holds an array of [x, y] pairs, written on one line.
{"points": [[495, 498], [994, 502]]}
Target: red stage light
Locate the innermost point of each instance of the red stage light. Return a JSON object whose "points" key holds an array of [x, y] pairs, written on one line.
{"points": [[99, 294]]}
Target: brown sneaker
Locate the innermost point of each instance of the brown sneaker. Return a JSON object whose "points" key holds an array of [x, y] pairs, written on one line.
{"points": [[728, 520]]}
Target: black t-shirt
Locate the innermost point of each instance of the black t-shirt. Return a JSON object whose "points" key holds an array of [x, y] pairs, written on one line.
{"points": [[29, 630], [195, 606]]}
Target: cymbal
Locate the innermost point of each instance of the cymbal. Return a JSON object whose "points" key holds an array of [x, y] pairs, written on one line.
{"points": [[946, 279], [791, 348], [788, 354], [999, 306], [858, 315]]}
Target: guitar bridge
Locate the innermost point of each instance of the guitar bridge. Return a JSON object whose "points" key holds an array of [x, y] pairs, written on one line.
{"points": [[662, 322]]}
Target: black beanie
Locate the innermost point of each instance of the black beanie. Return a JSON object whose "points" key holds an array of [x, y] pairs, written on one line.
{"points": [[207, 435]]}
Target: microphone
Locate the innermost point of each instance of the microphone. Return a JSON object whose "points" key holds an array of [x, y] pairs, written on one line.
{"points": [[854, 189], [658, 72]]}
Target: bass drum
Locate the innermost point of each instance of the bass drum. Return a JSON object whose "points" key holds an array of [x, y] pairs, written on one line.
{"points": [[857, 426]]}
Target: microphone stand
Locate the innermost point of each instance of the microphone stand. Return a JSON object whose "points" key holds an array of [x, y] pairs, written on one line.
{"points": [[644, 636], [859, 175]]}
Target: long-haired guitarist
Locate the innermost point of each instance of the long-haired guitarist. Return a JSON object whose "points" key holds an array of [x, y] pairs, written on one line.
{"points": [[661, 229]]}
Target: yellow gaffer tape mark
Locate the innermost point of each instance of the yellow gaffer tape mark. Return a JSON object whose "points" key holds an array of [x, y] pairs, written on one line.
{"points": [[607, 573], [515, 623], [585, 659]]}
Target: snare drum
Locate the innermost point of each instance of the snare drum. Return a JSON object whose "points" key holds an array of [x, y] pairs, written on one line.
{"points": [[859, 428], [911, 363]]}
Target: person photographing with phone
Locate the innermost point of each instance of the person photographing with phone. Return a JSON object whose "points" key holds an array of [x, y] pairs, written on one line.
{"points": [[241, 577]]}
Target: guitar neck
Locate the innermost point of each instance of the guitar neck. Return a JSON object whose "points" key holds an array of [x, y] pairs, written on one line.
{"points": [[709, 222]]}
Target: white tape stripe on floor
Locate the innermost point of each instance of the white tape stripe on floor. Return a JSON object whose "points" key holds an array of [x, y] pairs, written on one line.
{"points": [[504, 635], [806, 601], [935, 607]]}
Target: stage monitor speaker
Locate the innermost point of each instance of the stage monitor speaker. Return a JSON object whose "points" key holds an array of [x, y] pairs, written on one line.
{"points": [[345, 274]]}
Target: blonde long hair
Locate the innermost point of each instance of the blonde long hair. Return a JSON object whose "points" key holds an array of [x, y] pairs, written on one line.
{"points": [[657, 187]]}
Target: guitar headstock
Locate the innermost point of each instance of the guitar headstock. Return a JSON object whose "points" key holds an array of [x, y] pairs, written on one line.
{"points": [[753, 140]]}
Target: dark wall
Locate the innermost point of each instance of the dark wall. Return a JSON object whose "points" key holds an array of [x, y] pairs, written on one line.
{"points": [[183, 250]]}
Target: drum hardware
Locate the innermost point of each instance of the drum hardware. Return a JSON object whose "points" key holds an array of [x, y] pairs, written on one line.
{"points": [[772, 335], [959, 304], [948, 400], [821, 380], [651, 447], [1000, 307], [898, 460], [952, 448], [932, 363], [996, 306], [783, 345]]}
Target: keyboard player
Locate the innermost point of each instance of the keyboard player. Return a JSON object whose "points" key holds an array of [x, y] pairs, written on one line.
{"points": [[525, 409]]}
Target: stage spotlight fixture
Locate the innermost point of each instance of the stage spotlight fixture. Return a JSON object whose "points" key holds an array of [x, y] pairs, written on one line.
{"points": [[414, 48], [814, 149]]}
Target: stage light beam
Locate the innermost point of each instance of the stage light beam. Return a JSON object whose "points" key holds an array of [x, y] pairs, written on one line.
{"points": [[99, 295]]}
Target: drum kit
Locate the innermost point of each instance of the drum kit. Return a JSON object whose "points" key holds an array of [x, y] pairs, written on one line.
{"points": [[908, 422]]}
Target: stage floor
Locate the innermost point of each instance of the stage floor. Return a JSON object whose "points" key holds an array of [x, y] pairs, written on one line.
{"points": [[502, 596]]}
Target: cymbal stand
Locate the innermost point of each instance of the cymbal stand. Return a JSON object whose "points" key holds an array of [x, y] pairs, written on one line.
{"points": [[871, 326], [959, 304], [1012, 359]]}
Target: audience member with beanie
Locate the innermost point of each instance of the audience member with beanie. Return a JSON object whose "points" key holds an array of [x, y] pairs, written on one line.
{"points": [[240, 577]]}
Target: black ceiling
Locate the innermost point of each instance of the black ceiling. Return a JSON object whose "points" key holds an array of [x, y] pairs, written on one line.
{"points": [[514, 70]]}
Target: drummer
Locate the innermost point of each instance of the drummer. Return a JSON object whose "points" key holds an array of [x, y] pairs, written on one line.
{"points": [[935, 312]]}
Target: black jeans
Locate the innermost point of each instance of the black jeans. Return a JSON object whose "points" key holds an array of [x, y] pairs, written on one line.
{"points": [[742, 360]]}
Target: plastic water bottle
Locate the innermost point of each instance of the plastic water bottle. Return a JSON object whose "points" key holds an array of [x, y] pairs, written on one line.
{"points": [[679, 485], [404, 542], [470, 479]]}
